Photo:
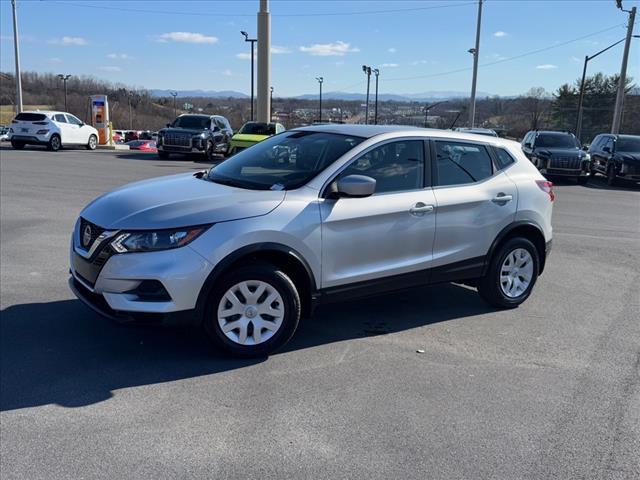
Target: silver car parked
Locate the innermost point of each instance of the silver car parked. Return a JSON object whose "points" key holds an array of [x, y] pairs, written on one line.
{"points": [[313, 215]]}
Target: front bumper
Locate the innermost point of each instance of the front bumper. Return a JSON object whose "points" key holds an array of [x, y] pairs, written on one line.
{"points": [[117, 284]]}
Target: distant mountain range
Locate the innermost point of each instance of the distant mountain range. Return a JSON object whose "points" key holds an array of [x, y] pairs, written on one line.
{"points": [[409, 97]]}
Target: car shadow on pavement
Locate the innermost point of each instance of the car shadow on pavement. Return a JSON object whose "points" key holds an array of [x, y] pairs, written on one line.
{"points": [[63, 353]]}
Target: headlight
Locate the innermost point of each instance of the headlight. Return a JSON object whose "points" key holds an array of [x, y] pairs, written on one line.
{"points": [[586, 157], [158, 240]]}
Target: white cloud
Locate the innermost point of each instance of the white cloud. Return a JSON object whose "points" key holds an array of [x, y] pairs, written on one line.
{"points": [[339, 63], [277, 50], [110, 68], [244, 56], [69, 41], [227, 73], [392, 50], [576, 59], [119, 56], [418, 62], [338, 48], [546, 66], [500, 33], [389, 65], [54, 60], [186, 37]]}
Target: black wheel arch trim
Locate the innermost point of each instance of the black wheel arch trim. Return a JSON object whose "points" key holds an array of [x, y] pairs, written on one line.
{"points": [[504, 233]]}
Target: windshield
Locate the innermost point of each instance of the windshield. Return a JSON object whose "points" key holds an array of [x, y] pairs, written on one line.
{"points": [[283, 162], [557, 141], [254, 128], [194, 122], [628, 144]]}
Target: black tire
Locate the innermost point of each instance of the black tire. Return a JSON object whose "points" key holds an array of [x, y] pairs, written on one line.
{"points": [[489, 286], [279, 281], [17, 145], [55, 143], [612, 181], [582, 180], [209, 151], [92, 143], [163, 155]]}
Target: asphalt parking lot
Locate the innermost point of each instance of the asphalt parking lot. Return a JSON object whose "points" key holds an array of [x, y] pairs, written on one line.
{"points": [[549, 390]]}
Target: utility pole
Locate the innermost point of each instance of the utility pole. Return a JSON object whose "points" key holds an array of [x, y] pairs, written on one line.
{"points": [[175, 111], [270, 104], [320, 80], [476, 53], [617, 113], [264, 61], [252, 41], [367, 70], [375, 111], [17, 55], [64, 79]]}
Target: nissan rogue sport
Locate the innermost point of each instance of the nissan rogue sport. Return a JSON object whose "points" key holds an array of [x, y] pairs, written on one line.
{"points": [[313, 215]]}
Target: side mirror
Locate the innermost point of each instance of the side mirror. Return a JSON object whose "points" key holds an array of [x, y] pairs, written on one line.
{"points": [[585, 148], [357, 186], [168, 125], [527, 145]]}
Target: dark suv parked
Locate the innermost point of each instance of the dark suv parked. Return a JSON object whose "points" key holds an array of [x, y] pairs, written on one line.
{"points": [[557, 154], [199, 134], [616, 156]]}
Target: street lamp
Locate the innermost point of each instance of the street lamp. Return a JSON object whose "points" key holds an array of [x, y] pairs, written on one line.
{"points": [[175, 111], [617, 113], [252, 41], [320, 80], [64, 79], [584, 75], [367, 70], [271, 104], [375, 111]]}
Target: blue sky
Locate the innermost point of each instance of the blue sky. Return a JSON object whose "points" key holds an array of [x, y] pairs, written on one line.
{"points": [[197, 45]]}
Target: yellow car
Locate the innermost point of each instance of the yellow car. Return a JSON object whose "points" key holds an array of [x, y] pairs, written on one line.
{"points": [[252, 133]]}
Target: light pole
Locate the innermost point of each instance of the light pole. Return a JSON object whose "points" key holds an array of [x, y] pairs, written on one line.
{"points": [[320, 80], [617, 113], [426, 111], [271, 104], [252, 41], [367, 70], [64, 79], [175, 111], [375, 110], [17, 55], [587, 58], [476, 53]]}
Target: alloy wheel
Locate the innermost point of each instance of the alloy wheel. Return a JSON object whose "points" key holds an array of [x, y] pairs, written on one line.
{"points": [[251, 312], [516, 273]]}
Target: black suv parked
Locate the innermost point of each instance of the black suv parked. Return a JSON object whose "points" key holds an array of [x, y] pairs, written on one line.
{"points": [[557, 154], [199, 134], [616, 156]]}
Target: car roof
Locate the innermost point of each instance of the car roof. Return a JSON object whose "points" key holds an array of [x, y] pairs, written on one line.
{"points": [[44, 112], [552, 132]]}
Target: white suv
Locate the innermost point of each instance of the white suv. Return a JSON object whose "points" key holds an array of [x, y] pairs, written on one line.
{"points": [[53, 129], [313, 215]]}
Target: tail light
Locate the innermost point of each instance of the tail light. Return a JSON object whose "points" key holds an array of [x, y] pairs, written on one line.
{"points": [[547, 187]]}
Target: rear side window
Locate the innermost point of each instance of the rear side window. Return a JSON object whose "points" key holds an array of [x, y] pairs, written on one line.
{"points": [[503, 157], [59, 117], [31, 117], [460, 163]]}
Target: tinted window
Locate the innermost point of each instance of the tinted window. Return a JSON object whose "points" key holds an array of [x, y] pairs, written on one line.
{"points": [[255, 128], [395, 166], [458, 163], [545, 140], [73, 120], [628, 144], [285, 161], [59, 117], [527, 138], [609, 144], [504, 158], [195, 122], [31, 117]]}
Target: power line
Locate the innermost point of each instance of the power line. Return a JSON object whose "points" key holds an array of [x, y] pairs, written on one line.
{"points": [[508, 59], [314, 14]]}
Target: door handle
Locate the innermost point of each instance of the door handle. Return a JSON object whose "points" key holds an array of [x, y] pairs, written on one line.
{"points": [[502, 198], [420, 209]]}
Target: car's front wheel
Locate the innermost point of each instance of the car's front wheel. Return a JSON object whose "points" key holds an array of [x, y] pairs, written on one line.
{"points": [[163, 155], [511, 275], [611, 175], [582, 180], [252, 311]]}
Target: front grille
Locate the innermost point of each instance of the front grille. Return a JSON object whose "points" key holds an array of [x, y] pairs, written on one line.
{"points": [[569, 172], [571, 163], [96, 231], [177, 140]]}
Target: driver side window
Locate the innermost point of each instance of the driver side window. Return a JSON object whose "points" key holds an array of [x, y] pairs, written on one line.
{"points": [[73, 120], [396, 166]]}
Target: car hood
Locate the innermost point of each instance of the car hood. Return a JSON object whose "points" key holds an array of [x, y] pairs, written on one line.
{"points": [[560, 152], [177, 201], [246, 137], [186, 131], [630, 157]]}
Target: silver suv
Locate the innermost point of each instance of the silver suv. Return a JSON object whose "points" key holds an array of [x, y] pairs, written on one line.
{"points": [[314, 215]]}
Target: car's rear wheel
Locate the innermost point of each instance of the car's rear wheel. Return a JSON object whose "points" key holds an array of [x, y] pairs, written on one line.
{"points": [[163, 155], [92, 143], [511, 275], [17, 145], [252, 311], [54, 143]]}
